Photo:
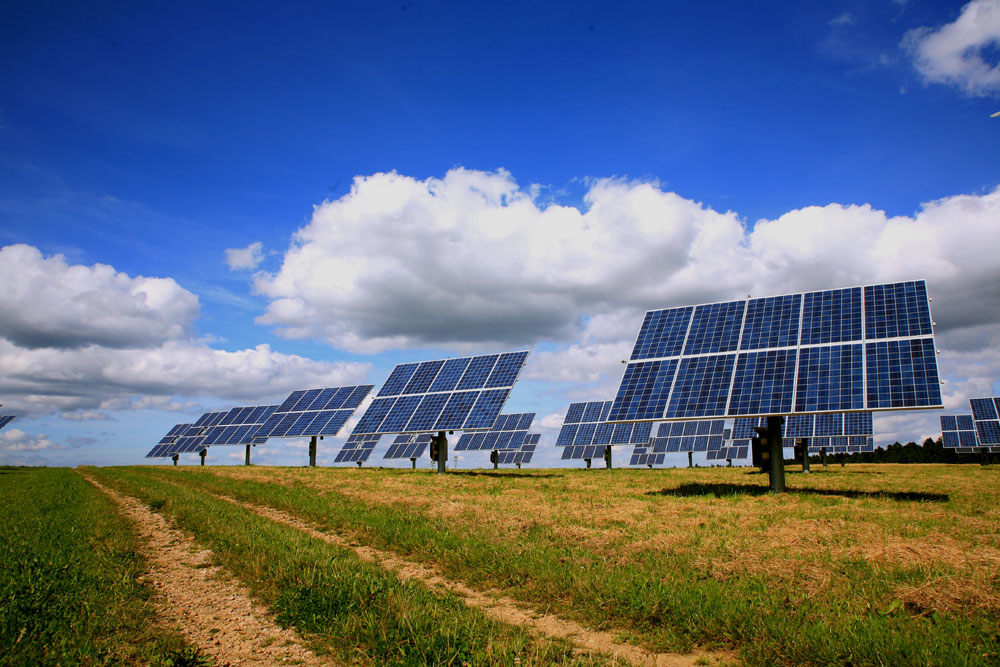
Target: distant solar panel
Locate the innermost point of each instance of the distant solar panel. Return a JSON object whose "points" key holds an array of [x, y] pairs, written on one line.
{"points": [[698, 435], [238, 426], [521, 455], [986, 415], [642, 456], [847, 350], [162, 448], [358, 448], [586, 424], [310, 412], [508, 432], [6, 419], [408, 446], [583, 452], [463, 394]]}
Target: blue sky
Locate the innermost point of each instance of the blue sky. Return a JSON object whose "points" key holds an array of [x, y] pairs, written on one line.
{"points": [[399, 181]]}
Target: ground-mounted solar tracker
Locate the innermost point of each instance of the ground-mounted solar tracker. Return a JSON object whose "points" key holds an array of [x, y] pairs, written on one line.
{"points": [[461, 394], [239, 426], [6, 419], [959, 432], [407, 446], [163, 447], [358, 448], [521, 455], [586, 434], [986, 416], [643, 456], [723, 450], [696, 435], [313, 412], [508, 432], [845, 350]]}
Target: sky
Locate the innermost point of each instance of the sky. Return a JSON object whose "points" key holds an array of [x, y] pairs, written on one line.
{"points": [[205, 205]]}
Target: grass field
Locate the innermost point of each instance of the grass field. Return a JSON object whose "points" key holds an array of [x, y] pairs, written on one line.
{"points": [[861, 565]]}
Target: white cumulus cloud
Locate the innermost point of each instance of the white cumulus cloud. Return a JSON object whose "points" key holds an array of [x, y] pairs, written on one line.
{"points": [[953, 53], [245, 258]]}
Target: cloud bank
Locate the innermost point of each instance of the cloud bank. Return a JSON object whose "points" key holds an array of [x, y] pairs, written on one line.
{"points": [[953, 53]]}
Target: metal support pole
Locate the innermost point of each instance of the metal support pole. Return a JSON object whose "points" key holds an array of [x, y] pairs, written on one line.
{"points": [[690, 460], [359, 464], [588, 463], [414, 462], [805, 456], [203, 452], [248, 455], [777, 472], [312, 451], [496, 461], [985, 456], [607, 456], [175, 457], [822, 455], [842, 457], [442, 450]]}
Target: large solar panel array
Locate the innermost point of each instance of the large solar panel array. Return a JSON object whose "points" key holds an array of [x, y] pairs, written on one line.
{"points": [[358, 448], [521, 455], [239, 426], [844, 350], [959, 432], [6, 419], [408, 446], [508, 432], [586, 432], [313, 412], [163, 447], [838, 433], [986, 415], [697, 435], [463, 394]]}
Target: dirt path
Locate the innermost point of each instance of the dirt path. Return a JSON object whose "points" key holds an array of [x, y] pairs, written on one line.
{"points": [[212, 610], [500, 607]]}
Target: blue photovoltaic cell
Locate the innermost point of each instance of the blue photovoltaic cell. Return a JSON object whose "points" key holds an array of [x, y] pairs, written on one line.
{"points": [[487, 407], [949, 423], [593, 411], [859, 423], [662, 333], [826, 425], [585, 434], [897, 310], [950, 439], [715, 327], [969, 438], [702, 386], [357, 448], [408, 446], [586, 424], [964, 423], [575, 413], [833, 316], [506, 371], [772, 322], [456, 410], [622, 434], [830, 378], [743, 429], [603, 434], [374, 415], [426, 414], [400, 414], [478, 372], [799, 426], [400, 375], [985, 413], [450, 374], [567, 434], [902, 373], [422, 378], [983, 409], [644, 391], [304, 413], [764, 383]]}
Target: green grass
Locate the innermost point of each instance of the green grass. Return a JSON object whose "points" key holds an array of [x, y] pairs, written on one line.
{"points": [[69, 568], [865, 565], [350, 608]]}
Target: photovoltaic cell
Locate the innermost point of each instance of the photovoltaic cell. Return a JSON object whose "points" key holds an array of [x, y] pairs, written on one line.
{"points": [[507, 433], [357, 449], [586, 424], [443, 395], [986, 416], [958, 431], [408, 446], [310, 412], [6, 419], [847, 350], [689, 436]]}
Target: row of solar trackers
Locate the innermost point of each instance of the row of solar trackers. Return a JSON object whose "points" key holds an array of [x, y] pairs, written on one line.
{"points": [[359, 448]]}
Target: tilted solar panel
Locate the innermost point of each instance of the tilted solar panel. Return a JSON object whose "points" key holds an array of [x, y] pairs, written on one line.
{"points": [[313, 412], [959, 431], [847, 350], [586, 424], [6, 419], [358, 448], [239, 426], [408, 446], [163, 447], [508, 432], [444, 395], [986, 416], [697, 435]]}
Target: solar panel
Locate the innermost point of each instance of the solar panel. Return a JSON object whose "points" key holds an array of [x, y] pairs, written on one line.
{"points": [[408, 446], [6, 419], [313, 412], [508, 432], [521, 455], [697, 435], [239, 426], [586, 424], [848, 350], [986, 416], [583, 452], [444, 395], [358, 448]]}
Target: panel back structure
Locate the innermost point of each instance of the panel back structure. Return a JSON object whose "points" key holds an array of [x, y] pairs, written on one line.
{"points": [[312, 412], [358, 448], [407, 446], [585, 431], [239, 426], [6, 419], [844, 350], [462, 394], [986, 416], [958, 432], [508, 432]]}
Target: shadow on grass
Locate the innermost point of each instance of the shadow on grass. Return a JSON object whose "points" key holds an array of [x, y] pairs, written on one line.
{"points": [[721, 490], [500, 473]]}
